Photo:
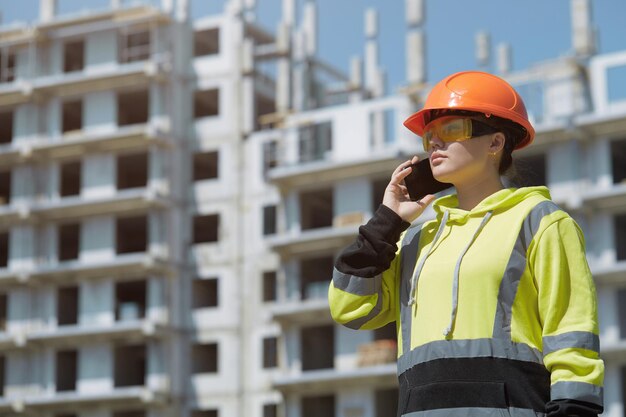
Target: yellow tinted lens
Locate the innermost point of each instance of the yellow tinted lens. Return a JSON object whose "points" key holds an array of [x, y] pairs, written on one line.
{"points": [[455, 130], [426, 137], [447, 129]]}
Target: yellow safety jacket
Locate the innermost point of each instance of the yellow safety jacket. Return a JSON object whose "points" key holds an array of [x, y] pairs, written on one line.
{"points": [[495, 308]]}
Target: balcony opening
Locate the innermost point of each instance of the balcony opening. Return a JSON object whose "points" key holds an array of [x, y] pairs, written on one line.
{"points": [[270, 410], [206, 103], [378, 192], [4, 311], [620, 236], [262, 105], [382, 350], [7, 67], [2, 365], [531, 170], [270, 352], [67, 306], [322, 406], [386, 401], [318, 347], [130, 366], [132, 234], [66, 370], [205, 228], [269, 220], [315, 142], [270, 156], [314, 277], [269, 286], [132, 171], [134, 46], [205, 165], [74, 56], [4, 249], [205, 293], [72, 116], [135, 413], [130, 300], [618, 160], [69, 241], [132, 108], [316, 209], [621, 310], [5, 187], [204, 358], [204, 413], [71, 178], [206, 42], [6, 127]]}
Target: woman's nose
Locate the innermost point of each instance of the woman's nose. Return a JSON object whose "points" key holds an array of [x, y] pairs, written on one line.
{"points": [[435, 142]]}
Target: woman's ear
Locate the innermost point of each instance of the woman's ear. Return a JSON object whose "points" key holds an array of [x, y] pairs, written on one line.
{"points": [[497, 143]]}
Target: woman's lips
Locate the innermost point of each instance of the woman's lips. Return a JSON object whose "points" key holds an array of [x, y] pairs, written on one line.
{"points": [[436, 157]]}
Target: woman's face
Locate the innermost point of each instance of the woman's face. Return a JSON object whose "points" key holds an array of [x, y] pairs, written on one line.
{"points": [[461, 162]]}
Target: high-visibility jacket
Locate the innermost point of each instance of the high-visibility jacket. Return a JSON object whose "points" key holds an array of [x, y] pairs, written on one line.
{"points": [[495, 308]]}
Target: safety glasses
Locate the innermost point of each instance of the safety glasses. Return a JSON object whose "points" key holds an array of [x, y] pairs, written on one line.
{"points": [[454, 129]]}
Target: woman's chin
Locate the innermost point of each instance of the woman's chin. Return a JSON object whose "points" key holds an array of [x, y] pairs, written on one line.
{"points": [[442, 174]]}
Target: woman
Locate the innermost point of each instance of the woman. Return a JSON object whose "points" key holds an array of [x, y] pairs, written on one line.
{"points": [[494, 302]]}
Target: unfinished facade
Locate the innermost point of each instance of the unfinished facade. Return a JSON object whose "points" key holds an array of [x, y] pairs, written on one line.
{"points": [[173, 194]]}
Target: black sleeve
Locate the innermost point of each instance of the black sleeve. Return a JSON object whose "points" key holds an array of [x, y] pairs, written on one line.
{"points": [[375, 246], [572, 408]]}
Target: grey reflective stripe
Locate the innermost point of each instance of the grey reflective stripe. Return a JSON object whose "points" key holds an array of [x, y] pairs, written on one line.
{"points": [[418, 270], [508, 290], [580, 340], [476, 412], [580, 391], [515, 268], [468, 348], [357, 323], [408, 258], [356, 285]]}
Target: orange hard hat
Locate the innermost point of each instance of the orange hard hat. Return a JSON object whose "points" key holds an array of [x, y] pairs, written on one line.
{"points": [[478, 92]]}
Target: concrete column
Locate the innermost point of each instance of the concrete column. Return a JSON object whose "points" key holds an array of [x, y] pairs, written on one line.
{"points": [[415, 12], [283, 81], [416, 57], [289, 12], [371, 49], [47, 10], [483, 49], [505, 58], [310, 28], [583, 33]]}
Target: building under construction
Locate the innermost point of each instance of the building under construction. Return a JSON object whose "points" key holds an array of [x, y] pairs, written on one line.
{"points": [[174, 191]]}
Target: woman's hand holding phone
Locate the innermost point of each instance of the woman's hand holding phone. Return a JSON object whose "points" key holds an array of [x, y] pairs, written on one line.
{"points": [[397, 197]]}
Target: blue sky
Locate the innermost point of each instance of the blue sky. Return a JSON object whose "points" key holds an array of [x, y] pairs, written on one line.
{"points": [[536, 29]]}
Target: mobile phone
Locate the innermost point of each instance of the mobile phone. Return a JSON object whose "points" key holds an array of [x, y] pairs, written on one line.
{"points": [[420, 182]]}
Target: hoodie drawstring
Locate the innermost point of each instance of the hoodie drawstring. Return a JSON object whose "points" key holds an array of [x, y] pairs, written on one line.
{"points": [[418, 270], [455, 285]]}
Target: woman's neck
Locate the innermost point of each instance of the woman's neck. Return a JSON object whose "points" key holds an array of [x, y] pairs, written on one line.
{"points": [[471, 194]]}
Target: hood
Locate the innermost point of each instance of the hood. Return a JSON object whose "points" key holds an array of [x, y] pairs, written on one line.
{"points": [[448, 212], [496, 202]]}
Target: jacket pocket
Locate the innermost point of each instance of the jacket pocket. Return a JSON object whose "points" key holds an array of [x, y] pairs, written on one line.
{"points": [[458, 394]]}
